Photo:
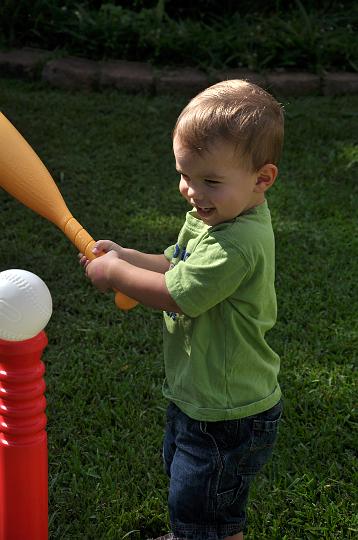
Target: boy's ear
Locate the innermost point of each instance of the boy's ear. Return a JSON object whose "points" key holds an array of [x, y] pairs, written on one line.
{"points": [[265, 177]]}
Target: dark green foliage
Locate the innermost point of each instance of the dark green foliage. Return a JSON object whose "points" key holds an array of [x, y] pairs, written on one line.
{"points": [[259, 35], [111, 157]]}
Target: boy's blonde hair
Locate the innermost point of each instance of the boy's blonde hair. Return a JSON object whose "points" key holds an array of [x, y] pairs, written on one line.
{"points": [[238, 112]]}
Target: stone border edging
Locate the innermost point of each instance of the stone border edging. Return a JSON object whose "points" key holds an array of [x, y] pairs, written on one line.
{"points": [[73, 73]]}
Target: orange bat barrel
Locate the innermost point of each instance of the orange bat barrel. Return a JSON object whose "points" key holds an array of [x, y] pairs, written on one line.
{"points": [[23, 441], [25, 177]]}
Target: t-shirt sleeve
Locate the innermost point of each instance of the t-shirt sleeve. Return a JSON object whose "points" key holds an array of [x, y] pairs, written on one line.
{"points": [[208, 276], [169, 252]]}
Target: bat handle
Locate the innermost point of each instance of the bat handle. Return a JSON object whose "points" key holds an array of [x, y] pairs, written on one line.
{"points": [[85, 243]]}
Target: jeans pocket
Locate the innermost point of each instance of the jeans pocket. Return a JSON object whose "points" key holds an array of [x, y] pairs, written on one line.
{"points": [[264, 427], [224, 433]]}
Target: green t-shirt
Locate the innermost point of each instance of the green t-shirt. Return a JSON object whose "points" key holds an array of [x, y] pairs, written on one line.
{"points": [[218, 364]]}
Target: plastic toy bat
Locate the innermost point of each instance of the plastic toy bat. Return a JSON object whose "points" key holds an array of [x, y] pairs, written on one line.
{"points": [[25, 177]]}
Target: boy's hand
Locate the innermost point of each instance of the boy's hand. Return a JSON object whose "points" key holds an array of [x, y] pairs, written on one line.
{"points": [[97, 273], [98, 270], [106, 245]]}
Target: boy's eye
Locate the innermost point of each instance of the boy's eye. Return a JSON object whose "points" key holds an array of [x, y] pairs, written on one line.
{"points": [[212, 182]]}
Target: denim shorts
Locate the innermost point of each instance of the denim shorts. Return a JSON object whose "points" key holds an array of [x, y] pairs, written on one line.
{"points": [[211, 466]]}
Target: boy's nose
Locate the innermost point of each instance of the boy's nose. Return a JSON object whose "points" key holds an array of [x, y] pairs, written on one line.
{"points": [[194, 192]]}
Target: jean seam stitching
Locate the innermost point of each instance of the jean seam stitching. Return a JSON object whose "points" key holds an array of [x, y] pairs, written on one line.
{"points": [[218, 460]]}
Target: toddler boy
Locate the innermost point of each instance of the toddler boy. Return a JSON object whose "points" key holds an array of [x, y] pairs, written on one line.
{"points": [[216, 288]]}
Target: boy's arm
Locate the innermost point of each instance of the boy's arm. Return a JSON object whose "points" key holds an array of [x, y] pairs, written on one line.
{"points": [[147, 261], [146, 286], [155, 262]]}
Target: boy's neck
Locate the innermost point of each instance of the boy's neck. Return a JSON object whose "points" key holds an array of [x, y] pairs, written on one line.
{"points": [[256, 201]]}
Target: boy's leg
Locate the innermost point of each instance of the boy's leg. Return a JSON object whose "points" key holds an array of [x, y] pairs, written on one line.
{"points": [[194, 468], [211, 466]]}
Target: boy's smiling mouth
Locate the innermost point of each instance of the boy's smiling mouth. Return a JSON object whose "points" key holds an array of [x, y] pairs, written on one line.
{"points": [[204, 212]]}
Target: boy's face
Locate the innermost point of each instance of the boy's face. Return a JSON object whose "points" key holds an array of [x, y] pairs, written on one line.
{"points": [[214, 183]]}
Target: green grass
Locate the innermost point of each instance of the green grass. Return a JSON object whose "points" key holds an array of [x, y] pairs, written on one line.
{"points": [[111, 157]]}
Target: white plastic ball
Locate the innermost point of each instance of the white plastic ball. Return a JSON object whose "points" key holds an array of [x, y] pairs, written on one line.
{"points": [[25, 305]]}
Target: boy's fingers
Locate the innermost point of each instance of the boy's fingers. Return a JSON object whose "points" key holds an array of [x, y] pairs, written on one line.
{"points": [[104, 246], [101, 245], [82, 259]]}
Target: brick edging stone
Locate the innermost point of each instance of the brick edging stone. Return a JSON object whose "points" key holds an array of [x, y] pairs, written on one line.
{"points": [[73, 73]]}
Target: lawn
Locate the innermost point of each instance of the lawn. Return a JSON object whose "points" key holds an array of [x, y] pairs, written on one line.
{"points": [[111, 156]]}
